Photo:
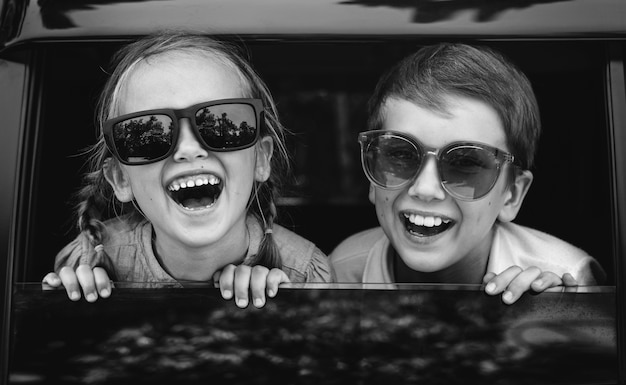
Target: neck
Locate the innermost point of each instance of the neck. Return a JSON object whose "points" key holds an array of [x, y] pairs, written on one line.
{"points": [[187, 263], [468, 270]]}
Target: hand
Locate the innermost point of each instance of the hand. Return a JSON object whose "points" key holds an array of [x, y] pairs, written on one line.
{"points": [[255, 279], [514, 281], [92, 282]]}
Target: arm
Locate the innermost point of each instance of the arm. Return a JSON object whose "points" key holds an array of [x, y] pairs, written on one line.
{"points": [[514, 281]]}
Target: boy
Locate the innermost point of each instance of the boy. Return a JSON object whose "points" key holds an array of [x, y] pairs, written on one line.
{"points": [[453, 131]]}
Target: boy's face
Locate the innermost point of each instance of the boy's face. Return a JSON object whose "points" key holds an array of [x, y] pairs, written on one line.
{"points": [[451, 230]]}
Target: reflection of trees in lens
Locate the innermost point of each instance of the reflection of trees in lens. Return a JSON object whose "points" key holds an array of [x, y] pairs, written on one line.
{"points": [[221, 131], [144, 139]]}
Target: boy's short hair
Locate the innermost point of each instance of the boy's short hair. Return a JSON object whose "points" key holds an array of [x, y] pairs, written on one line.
{"points": [[428, 75]]}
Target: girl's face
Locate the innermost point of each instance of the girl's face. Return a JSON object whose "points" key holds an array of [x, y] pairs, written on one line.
{"points": [[178, 81], [435, 246]]}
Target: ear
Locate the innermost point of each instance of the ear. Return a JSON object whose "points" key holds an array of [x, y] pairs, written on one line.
{"points": [[118, 179], [516, 193], [264, 151], [372, 194]]}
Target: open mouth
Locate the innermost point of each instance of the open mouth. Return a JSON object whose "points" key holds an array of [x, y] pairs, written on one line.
{"points": [[196, 192], [425, 226]]}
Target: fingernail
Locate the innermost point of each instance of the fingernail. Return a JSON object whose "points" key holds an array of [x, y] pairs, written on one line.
{"points": [[258, 302], [271, 293], [490, 287], [539, 283], [227, 294], [242, 303], [105, 293], [91, 297], [507, 297], [74, 296]]}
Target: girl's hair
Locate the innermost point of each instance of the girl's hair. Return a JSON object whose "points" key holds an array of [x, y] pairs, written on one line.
{"points": [[96, 198], [429, 75]]}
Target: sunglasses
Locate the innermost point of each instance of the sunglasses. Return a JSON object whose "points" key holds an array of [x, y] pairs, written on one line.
{"points": [[150, 136], [468, 170]]}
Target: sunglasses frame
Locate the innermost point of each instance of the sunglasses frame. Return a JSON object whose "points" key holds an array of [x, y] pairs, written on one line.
{"points": [[176, 115], [366, 137]]}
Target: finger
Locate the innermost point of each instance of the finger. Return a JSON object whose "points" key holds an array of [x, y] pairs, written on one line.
{"points": [[227, 280], [257, 285], [50, 281], [569, 280], [216, 278], [103, 283], [520, 284], [87, 282], [499, 282], [488, 277], [242, 285], [545, 280], [275, 278], [70, 282]]}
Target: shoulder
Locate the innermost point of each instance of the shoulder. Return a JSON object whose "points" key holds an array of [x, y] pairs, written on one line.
{"points": [[526, 247], [518, 235], [302, 260], [122, 242], [350, 256], [123, 230]]}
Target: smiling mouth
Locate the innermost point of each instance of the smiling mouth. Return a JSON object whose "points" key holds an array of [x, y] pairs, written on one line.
{"points": [[425, 226], [196, 192]]}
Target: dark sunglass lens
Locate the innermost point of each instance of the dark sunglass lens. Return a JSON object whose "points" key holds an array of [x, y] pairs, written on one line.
{"points": [[227, 126], [391, 160], [143, 138], [469, 172]]}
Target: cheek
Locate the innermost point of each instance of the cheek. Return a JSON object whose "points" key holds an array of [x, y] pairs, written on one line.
{"points": [[240, 168], [384, 205], [145, 180], [479, 215]]}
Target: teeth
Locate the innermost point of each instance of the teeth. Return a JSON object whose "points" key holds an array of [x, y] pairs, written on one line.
{"points": [[193, 181], [428, 221]]}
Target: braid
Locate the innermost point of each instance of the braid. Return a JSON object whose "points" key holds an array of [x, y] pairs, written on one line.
{"points": [[91, 211], [268, 254], [90, 206]]}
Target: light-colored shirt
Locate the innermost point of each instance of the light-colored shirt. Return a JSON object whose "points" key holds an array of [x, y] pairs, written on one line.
{"points": [[129, 248], [367, 256]]}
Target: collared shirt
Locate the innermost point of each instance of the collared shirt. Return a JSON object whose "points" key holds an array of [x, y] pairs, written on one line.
{"points": [[367, 256], [129, 248]]}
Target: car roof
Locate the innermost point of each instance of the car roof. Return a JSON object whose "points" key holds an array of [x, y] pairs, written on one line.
{"points": [[89, 20]]}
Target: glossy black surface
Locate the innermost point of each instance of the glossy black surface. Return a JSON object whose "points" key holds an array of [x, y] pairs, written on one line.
{"points": [[339, 335], [284, 19]]}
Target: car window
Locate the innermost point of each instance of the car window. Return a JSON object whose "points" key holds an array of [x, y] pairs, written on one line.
{"points": [[322, 89]]}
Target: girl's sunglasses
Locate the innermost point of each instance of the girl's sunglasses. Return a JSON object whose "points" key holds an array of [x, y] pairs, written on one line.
{"points": [[468, 170], [150, 136]]}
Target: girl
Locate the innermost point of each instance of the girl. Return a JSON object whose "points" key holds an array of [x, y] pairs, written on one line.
{"points": [[189, 159]]}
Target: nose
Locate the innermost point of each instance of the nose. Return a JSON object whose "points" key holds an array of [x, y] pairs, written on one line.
{"points": [[188, 148], [427, 186]]}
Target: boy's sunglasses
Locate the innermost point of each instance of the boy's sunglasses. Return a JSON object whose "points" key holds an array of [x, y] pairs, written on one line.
{"points": [[468, 170], [150, 136]]}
